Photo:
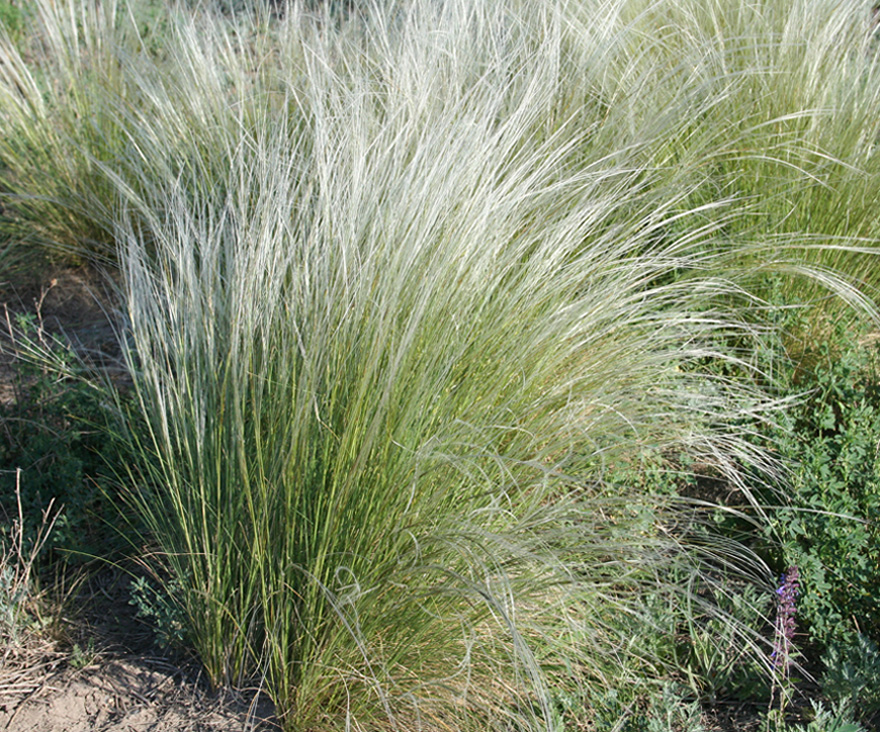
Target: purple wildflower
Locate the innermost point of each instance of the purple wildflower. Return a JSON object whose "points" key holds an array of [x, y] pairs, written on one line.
{"points": [[785, 611]]}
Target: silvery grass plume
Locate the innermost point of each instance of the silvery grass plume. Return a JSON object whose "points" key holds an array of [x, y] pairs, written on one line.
{"points": [[55, 132], [74, 86], [374, 455], [768, 103], [781, 103]]}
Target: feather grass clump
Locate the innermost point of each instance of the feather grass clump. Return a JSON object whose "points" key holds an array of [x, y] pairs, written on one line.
{"points": [[381, 359]]}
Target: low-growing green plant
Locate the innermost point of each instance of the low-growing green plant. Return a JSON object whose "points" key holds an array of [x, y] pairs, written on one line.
{"points": [[665, 709], [57, 430], [672, 711], [829, 525], [712, 656], [83, 656], [163, 609], [837, 718], [852, 674]]}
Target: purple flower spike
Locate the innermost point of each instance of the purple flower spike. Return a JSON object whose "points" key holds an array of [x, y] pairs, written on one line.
{"points": [[785, 611]]}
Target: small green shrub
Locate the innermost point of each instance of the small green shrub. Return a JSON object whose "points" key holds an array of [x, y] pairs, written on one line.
{"points": [[823, 518], [837, 718], [666, 709], [83, 656], [160, 609], [830, 524], [852, 673], [55, 431]]}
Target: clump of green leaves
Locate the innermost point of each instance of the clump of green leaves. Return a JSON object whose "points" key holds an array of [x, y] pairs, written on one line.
{"points": [[830, 526], [852, 673], [54, 430], [159, 608], [824, 517], [664, 709], [83, 656], [837, 717]]}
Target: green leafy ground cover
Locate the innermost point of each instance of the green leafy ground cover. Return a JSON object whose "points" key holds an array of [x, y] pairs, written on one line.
{"points": [[486, 363]]}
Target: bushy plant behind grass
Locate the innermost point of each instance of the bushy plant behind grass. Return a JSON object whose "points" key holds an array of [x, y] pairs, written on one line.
{"points": [[827, 525], [57, 430], [831, 530], [821, 517]]}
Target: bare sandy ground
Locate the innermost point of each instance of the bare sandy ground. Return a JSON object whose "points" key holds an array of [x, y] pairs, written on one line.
{"points": [[126, 695]]}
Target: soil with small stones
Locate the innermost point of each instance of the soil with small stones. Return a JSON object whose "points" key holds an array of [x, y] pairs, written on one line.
{"points": [[104, 673]]}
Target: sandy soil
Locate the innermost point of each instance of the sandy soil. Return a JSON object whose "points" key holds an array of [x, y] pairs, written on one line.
{"points": [[126, 695]]}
